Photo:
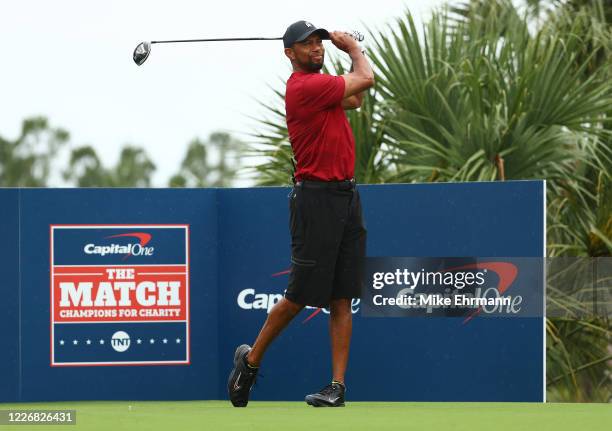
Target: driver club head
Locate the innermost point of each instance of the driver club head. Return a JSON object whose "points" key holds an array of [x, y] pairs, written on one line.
{"points": [[141, 53]]}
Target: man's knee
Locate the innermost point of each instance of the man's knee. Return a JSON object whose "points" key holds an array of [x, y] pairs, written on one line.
{"points": [[340, 306], [287, 306]]}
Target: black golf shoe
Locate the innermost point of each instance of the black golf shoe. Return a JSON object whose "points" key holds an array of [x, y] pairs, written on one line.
{"points": [[242, 378], [331, 395]]}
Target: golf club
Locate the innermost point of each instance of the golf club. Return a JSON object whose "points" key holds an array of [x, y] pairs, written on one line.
{"points": [[142, 51]]}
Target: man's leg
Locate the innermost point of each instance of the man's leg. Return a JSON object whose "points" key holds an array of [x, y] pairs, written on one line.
{"points": [[247, 359], [340, 329], [281, 314], [347, 284]]}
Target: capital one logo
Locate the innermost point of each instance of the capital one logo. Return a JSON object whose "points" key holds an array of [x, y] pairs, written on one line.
{"points": [[132, 249], [249, 299]]}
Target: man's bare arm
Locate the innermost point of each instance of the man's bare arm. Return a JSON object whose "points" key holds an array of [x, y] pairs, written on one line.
{"points": [[355, 101], [362, 76]]}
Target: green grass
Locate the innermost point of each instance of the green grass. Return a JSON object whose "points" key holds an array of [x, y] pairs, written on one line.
{"points": [[371, 416]]}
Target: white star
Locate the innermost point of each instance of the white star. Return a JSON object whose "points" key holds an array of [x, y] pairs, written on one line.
{"points": [[152, 341], [138, 341], [61, 342], [88, 342], [178, 341], [75, 342], [165, 340], [101, 341]]}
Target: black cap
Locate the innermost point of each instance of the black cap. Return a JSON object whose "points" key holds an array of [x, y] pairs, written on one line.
{"points": [[299, 31]]}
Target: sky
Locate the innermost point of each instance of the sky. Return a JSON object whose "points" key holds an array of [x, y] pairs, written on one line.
{"points": [[71, 61]]}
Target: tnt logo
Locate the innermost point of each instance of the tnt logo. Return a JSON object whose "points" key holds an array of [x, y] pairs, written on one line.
{"points": [[120, 341]]}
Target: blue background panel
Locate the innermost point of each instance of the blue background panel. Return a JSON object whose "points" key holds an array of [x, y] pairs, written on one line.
{"points": [[436, 359], [43, 207], [10, 371], [239, 242]]}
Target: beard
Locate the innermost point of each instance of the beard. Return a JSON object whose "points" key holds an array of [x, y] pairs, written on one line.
{"points": [[313, 67]]}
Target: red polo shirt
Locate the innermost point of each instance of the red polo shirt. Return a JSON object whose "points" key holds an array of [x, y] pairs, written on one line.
{"points": [[320, 134]]}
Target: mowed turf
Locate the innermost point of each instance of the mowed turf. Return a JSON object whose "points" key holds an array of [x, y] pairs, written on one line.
{"points": [[371, 416]]}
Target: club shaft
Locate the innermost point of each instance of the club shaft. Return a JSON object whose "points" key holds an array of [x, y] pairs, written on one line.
{"points": [[216, 40]]}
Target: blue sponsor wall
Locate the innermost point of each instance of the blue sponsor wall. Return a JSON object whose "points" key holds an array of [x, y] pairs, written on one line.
{"points": [[239, 249], [40, 208], [10, 306]]}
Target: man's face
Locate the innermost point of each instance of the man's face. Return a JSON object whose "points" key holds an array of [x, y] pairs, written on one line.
{"points": [[308, 54]]}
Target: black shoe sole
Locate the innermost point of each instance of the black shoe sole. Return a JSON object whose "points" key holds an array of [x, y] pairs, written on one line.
{"points": [[237, 355], [320, 403]]}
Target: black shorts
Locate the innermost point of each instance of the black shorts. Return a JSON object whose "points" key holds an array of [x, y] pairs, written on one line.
{"points": [[328, 243]]}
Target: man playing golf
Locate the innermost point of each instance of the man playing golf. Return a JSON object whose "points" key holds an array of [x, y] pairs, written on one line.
{"points": [[327, 233]]}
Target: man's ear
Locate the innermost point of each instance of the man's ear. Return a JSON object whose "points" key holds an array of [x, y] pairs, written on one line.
{"points": [[290, 54]]}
